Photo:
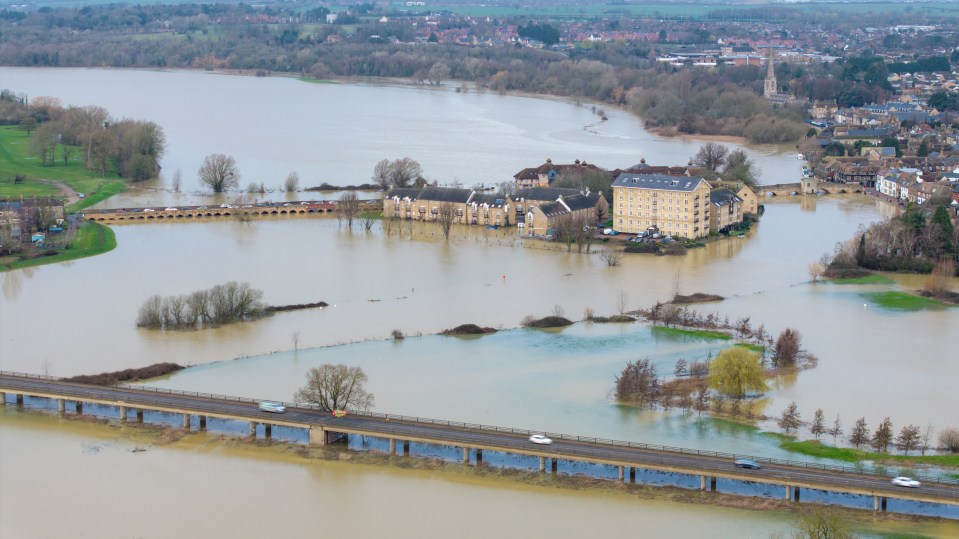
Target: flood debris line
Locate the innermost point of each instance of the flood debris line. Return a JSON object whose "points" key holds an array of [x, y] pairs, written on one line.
{"points": [[295, 307]]}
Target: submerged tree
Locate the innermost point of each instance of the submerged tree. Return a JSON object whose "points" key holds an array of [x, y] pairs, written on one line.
{"points": [[736, 371], [336, 387], [219, 172]]}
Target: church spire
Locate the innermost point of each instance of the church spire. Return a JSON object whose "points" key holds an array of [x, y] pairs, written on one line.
{"points": [[770, 88]]}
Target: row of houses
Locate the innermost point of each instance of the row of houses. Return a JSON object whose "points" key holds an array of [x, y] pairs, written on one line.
{"points": [[909, 185], [675, 204], [25, 220]]}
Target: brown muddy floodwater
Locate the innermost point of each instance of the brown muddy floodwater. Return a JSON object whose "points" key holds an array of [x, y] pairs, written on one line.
{"points": [[86, 480]]}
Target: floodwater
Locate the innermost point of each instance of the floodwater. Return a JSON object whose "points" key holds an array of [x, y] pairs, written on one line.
{"points": [[413, 281], [203, 485], [78, 317], [336, 133]]}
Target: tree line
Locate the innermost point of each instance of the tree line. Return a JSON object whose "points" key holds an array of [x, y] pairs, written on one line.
{"points": [[222, 304], [723, 101], [909, 438], [131, 148]]}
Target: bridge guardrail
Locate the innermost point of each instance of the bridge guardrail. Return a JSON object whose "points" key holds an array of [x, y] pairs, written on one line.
{"points": [[524, 432]]}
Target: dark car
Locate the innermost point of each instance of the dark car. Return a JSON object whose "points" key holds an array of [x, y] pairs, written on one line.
{"points": [[747, 463]]}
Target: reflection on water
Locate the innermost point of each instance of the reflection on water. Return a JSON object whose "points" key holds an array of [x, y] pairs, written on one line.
{"points": [[336, 133]]}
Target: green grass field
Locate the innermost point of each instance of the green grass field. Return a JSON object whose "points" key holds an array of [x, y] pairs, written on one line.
{"points": [[92, 239], [868, 279], [751, 347], [815, 448], [15, 159], [901, 301], [696, 333]]}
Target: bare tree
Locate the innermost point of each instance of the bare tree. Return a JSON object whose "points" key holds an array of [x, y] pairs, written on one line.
{"points": [[446, 214], [909, 438], [336, 387], [859, 434], [836, 430], [369, 219], [558, 310], [348, 207], [623, 300], [292, 183], [711, 156], [382, 174], [611, 256], [926, 438], [177, 181], [790, 419], [219, 172], [816, 270], [818, 426], [404, 171], [295, 339]]}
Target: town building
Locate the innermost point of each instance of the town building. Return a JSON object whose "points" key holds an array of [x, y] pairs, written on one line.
{"points": [[468, 206], [677, 205], [726, 210], [526, 199], [550, 219], [545, 174]]}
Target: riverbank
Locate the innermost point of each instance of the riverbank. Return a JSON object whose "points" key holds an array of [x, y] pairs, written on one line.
{"points": [[92, 239]]}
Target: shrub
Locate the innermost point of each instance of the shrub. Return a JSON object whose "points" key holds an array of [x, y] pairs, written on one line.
{"points": [[949, 439], [398, 335]]}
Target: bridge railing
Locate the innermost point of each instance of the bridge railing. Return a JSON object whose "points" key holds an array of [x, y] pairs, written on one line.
{"points": [[478, 427]]}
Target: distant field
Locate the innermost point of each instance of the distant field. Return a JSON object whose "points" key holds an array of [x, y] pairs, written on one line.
{"points": [[654, 10]]}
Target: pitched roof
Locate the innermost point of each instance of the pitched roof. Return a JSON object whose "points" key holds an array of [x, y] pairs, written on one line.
{"points": [[403, 192], [489, 200], [544, 193], [721, 197], [658, 181], [445, 194]]}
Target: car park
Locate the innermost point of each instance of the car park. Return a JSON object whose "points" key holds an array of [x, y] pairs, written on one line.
{"points": [[747, 463], [540, 439], [905, 482], [272, 407]]}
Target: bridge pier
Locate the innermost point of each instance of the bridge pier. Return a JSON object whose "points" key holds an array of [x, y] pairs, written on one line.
{"points": [[61, 406], [542, 464], [879, 503], [622, 473], [202, 422], [253, 429], [139, 416], [186, 421], [702, 482], [392, 446], [466, 455], [3, 398], [317, 436], [789, 492], [123, 414], [406, 450], [268, 430]]}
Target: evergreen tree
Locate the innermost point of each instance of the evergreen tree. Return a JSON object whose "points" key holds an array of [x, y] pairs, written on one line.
{"points": [[818, 424], [883, 436], [790, 420], [860, 433]]}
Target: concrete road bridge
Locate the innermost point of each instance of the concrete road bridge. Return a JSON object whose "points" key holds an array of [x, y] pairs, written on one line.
{"points": [[323, 429], [246, 211]]}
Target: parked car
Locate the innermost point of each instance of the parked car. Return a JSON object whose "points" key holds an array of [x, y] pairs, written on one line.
{"points": [[905, 482], [171, 209], [540, 439], [273, 407], [609, 232], [747, 463]]}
